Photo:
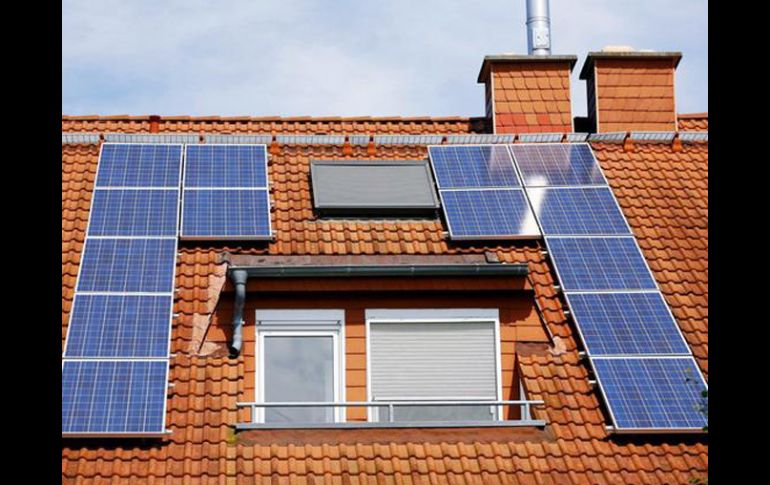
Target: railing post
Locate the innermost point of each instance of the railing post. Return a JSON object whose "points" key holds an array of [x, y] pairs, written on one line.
{"points": [[390, 412], [526, 411]]}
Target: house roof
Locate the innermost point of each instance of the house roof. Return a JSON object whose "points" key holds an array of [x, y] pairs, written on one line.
{"points": [[693, 121], [662, 189]]}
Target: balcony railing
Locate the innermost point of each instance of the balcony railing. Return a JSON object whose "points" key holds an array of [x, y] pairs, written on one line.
{"points": [[391, 421]]}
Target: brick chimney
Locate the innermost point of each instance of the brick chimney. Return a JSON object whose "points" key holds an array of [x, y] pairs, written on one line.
{"points": [[528, 94], [630, 90]]}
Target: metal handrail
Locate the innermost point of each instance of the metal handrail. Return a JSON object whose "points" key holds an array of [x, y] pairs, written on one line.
{"points": [[525, 404]]}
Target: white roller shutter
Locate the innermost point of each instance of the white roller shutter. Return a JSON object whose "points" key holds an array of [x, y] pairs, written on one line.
{"points": [[433, 360]]}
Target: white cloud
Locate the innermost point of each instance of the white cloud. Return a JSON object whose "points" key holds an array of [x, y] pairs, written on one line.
{"points": [[308, 57]]}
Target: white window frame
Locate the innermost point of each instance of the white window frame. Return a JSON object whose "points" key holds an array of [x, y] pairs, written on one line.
{"points": [[301, 323], [440, 315]]}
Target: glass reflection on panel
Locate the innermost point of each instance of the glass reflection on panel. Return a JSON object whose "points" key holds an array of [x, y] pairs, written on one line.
{"points": [[299, 369]]}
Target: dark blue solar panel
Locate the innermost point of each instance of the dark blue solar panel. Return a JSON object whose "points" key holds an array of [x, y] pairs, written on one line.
{"points": [[652, 393], [226, 214], [473, 166], [134, 212], [119, 326], [481, 214], [139, 165], [600, 263], [557, 164], [128, 265], [114, 397], [626, 323], [232, 166], [578, 211]]}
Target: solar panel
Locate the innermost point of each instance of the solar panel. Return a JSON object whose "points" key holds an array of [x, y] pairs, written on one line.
{"points": [[139, 165], [134, 212], [232, 166], [226, 214], [577, 211], [473, 166], [128, 265], [599, 263], [488, 214], [558, 164], [652, 393], [119, 326], [122, 310], [226, 193], [114, 397], [611, 293], [626, 324]]}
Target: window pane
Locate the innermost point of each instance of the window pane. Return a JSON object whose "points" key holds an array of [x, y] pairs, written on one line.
{"points": [[299, 369]]}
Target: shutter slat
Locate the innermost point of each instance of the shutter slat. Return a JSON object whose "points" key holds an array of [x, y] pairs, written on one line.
{"points": [[433, 360]]}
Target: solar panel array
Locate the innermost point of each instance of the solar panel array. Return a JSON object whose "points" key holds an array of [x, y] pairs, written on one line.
{"points": [[225, 192], [116, 355], [481, 192], [643, 365], [115, 363]]}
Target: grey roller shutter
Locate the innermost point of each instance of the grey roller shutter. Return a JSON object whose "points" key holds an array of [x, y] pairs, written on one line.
{"points": [[433, 360], [372, 185]]}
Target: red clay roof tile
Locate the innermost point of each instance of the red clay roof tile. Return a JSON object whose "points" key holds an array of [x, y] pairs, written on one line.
{"points": [[663, 192]]}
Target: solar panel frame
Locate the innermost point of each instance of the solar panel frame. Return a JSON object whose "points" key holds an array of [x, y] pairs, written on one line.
{"points": [[125, 433], [594, 345], [183, 234], [107, 217], [453, 234], [220, 237], [98, 178], [525, 175], [561, 272], [69, 342], [612, 410], [515, 183], [90, 241], [186, 172], [626, 230]]}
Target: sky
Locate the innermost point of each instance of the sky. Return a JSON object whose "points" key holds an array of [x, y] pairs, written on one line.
{"points": [[343, 57]]}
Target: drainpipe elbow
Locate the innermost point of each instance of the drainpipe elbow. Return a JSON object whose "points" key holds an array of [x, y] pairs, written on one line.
{"points": [[239, 278]]}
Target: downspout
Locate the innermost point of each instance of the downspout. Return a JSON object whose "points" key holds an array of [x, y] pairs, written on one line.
{"points": [[239, 277]]}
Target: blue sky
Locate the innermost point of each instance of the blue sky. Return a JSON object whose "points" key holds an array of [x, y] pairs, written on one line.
{"points": [[342, 57]]}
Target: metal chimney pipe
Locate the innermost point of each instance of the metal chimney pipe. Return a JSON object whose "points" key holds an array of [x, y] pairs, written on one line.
{"points": [[538, 28]]}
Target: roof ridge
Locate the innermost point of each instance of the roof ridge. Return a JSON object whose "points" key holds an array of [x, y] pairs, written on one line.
{"points": [[267, 118]]}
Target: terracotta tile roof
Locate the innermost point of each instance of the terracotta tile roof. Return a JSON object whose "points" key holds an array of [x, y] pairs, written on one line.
{"points": [[528, 100], [665, 198], [267, 125], [635, 98], [693, 121], [663, 193]]}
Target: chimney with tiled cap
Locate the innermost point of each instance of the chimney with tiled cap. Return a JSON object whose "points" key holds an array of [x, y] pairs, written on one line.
{"points": [[630, 90], [529, 93]]}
